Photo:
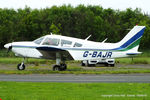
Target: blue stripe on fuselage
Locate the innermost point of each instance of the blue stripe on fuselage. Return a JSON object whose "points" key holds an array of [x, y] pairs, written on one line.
{"points": [[22, 46]]}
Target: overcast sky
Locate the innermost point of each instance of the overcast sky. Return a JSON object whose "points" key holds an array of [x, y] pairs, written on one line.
{"points": [[114, 4]]}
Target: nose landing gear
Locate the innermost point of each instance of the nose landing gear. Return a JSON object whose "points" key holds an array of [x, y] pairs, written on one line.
{"points": [[21, 66]]}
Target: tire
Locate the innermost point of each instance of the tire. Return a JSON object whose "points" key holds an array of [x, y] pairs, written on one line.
{"points": [[63, 67], [56, 68], [21, 66]]}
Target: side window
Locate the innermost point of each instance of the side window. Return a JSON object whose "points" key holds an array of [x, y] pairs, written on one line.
{"points": [[66, 43], [77, 45], [51, 41]]}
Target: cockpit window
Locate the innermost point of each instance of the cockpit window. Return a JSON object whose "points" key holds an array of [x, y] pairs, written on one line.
{"points": [[51, 41], [38, 41], [77, 45], [66, 43]]}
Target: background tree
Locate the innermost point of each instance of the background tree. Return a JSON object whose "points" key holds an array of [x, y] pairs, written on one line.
{"points": [[81, 21], [54, 29]]}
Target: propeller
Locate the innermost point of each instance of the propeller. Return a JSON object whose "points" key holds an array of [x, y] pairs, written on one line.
{"points": [[9, 48]]}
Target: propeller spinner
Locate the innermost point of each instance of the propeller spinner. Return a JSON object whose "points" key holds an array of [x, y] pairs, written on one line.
{"points": [[8, 46]]}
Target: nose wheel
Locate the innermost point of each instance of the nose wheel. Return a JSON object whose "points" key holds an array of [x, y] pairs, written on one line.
{"points": [[21, 66]]}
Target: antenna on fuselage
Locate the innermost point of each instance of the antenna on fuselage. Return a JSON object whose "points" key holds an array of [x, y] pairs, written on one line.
{"points": [[104, 40], [88, 37]]}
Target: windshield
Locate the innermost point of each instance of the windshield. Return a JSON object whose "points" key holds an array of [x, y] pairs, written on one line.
{"points": [[38, 41]]}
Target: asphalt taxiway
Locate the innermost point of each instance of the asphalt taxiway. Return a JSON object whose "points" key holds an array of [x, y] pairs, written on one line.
{"points": [[85, 78]]}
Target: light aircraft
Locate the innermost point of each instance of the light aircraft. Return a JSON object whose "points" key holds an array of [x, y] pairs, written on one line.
{"points": [[62, 47]]}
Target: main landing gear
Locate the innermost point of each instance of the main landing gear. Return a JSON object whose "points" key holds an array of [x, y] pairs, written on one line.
{"points": [[59, 66]]}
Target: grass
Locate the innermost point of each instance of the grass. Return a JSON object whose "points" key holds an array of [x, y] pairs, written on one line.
{"points": [[136, 60], [41, 66], [14, 60], [75, 70], [74, 91], [145, 53]]}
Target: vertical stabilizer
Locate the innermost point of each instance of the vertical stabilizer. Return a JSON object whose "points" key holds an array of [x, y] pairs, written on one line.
{"points": [[132, 39]]}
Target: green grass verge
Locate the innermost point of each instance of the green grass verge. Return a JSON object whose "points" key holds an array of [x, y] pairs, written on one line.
{"points": [[74, 91], [77, 70], [73, 67], [14, 60], [72, 72], [136, 60]]}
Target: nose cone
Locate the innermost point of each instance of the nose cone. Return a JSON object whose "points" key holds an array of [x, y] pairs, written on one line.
{"points": [[7, 45]]}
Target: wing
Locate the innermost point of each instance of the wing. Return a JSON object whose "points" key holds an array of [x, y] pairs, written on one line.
{"points": [[50, 52]]}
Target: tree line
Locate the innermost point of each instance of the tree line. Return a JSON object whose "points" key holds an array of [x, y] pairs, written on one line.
{"points": [[28, 24]]}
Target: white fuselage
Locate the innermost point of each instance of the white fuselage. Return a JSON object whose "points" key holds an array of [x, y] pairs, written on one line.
{"points": [[88, 50]]}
